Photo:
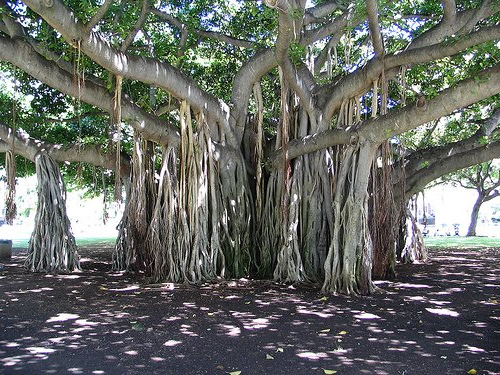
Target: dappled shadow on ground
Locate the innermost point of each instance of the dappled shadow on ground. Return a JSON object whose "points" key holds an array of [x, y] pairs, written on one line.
{"points": [[437, 318]]}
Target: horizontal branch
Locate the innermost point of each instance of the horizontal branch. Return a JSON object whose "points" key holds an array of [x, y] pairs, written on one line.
{"points": [[463, 94], [417, 181], [310, 143], [29, 147], [21, 53], [332, 95]]}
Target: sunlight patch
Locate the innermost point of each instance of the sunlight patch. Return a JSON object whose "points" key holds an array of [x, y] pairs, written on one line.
{"points": [[62, 317], [313, 356], [473, 349], [366, 316], [40, 350], [408, 285], [446, 312], [172, 343]]}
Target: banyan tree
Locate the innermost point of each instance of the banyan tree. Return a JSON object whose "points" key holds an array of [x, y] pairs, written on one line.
{"points": [[266, 138]]}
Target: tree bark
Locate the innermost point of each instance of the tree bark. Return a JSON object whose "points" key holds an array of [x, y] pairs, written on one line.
{"points": [[471, 231], [52, 247]]}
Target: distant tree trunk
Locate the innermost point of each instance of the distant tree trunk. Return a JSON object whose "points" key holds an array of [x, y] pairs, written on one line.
{"points": [[471, 232], [52, 246]]}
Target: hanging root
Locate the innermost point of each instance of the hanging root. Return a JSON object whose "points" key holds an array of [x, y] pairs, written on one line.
{"points": [[10, 203], [193, 223], [117, 116], [130, 252], [349, 261], [52, 246]]}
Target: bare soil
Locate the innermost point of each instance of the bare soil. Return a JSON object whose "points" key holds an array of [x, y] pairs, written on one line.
{"points": [[442, 317]]}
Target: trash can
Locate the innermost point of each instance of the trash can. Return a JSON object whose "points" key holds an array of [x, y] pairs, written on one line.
{"points": [[5, 249]]}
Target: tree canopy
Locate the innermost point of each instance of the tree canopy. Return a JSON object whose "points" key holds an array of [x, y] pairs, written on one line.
{"points": [[281, 138]]}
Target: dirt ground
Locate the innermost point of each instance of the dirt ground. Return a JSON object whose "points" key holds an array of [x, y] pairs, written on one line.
{"points": [[442, 317]]}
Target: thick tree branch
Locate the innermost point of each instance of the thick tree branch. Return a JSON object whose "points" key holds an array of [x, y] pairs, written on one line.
{"points": [[491, 123], [333, 27], [417, 181], [359, 82], [449, 10], [376, 34], [29, 147], [16, 29], [144, 69], [21, 54], [463, 23], [252, 71], [465, 93], [308, 144], [319, 13], [423, 157]]}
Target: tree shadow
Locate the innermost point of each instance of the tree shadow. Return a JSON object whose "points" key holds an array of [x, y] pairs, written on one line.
{"points": [[441, 317]]}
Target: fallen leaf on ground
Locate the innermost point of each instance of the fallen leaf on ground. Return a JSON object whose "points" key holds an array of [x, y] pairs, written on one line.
{"points": [[325, 330], [472, 371], [235, 373], [268, 356], [279, 350], [343, 333], [325, 298], [329, 371]]}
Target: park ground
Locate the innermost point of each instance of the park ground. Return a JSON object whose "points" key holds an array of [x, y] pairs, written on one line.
{"points": [[439, 317]]}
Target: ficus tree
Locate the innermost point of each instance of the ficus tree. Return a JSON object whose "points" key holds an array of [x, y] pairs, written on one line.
{"points": [[264, 137]]}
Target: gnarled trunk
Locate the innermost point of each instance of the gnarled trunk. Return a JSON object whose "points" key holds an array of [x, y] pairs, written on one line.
{"points": [[348, 265], [52, 246], [195, 222]]}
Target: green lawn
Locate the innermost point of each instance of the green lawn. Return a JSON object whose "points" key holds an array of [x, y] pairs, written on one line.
{"points": [[80, 241], [462, 242], [433, 242]]}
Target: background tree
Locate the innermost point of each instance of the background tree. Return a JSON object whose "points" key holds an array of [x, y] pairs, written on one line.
{"points": [[485, 179], [264, 137]]}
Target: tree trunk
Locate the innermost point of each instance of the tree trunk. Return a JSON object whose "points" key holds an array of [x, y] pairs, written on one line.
{"points": [[471, 231], [194, 222], [52, 246], [411, 246], [348, 265], [383, 216]]}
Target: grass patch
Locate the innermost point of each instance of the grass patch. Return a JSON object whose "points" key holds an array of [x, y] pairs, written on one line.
{"points": [[461, 242], [80, 241]]}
